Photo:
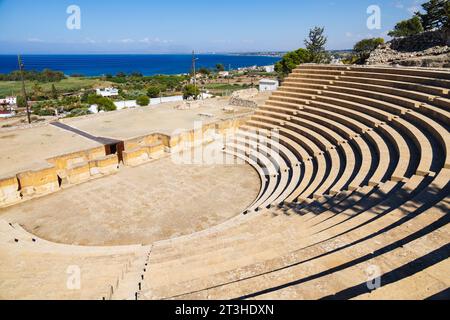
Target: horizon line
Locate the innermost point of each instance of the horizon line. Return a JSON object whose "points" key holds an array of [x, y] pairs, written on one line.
{"points": [[257, 53]]}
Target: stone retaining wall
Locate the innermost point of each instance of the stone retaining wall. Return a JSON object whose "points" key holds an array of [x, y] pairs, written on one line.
{"points": [[421, 42], [38, 182]]}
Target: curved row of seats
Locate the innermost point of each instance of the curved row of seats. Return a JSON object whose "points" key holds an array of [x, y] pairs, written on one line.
{"points": [[355, 165], [33, 268]]}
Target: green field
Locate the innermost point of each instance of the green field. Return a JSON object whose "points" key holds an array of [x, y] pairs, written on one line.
{"points": [[70, 84]]}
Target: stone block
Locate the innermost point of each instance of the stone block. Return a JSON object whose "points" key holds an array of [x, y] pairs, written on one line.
{"points": [[135, 157], [96, 153], [64, 161], [78, 173], [104, 166], [38, 182], [9, 191], [155, 150]]}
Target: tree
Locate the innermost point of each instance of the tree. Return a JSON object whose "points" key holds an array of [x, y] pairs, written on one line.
{"points": [[37, 91], [204, 71], [220, 67], [315, 44], [407, 28], [143, 101], [436, 14], [54, 92], [291, 60], [364, 48], [447, 16], [153, 92], [21, 102], [191, 91]]}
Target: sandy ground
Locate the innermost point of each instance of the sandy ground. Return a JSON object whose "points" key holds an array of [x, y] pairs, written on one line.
{"points": [[26, 149], [156, 201], [164, 118]]}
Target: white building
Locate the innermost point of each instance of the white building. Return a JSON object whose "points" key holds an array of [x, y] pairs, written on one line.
{"points": [[125, 104], [93, 108], [108, 92], [224, 74], [8, 101], [268, 85], [156, 101], [269, 68], [252, 68], [336, 60]]}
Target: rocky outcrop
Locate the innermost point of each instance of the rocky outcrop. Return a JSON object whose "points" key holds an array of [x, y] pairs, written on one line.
{"points": [[428, 49], [243, 98]]}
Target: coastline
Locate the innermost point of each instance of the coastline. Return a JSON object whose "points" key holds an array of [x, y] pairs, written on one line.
{"points": [[94, 65]]}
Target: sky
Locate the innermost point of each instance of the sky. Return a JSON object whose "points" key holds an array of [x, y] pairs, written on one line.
{"points": [[180, 26]]}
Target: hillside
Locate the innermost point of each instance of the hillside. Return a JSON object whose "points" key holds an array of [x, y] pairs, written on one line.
{"points": [[428, 49]]}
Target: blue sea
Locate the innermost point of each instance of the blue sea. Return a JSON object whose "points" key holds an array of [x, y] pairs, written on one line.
{"points": [[96, 65]]}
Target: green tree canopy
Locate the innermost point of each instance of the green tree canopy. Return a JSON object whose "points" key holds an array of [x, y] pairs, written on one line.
{"points": [[46, 75], [436, 14], [291, 60], [204, 71], [220, 67], [364, 48], [407, 28], [191, 91], [143, 101], [315, 43]]}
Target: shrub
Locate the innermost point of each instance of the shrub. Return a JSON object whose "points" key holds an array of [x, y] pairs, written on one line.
{"points": [[220, 67], [153, 92], [191, 91], [143, 101], [79, 112], [45, 112], [103, 103], [364, 48], [21, 102]]}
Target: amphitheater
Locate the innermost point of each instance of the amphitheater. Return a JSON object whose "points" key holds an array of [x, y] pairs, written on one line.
{"points": [[345, 195]]}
